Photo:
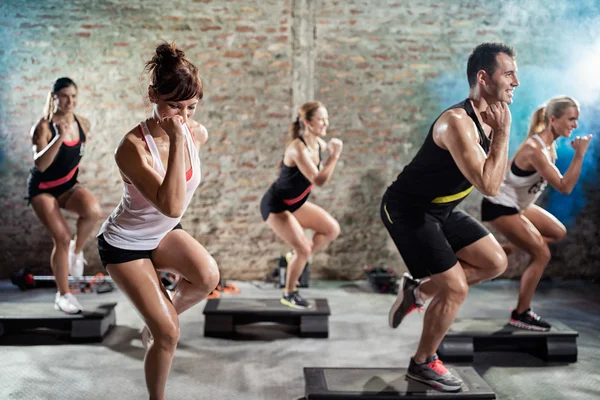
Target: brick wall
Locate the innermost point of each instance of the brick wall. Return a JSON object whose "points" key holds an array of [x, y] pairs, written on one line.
{"points": [[385, 69]]}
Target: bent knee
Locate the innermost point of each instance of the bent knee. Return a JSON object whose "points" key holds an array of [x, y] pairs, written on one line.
{"points": [[498, 264], [212, 275], [93, 212], [167, 336], [303, 251], [62, 239], [541, 254], [456, 291], [560, 234], [334, 231]]}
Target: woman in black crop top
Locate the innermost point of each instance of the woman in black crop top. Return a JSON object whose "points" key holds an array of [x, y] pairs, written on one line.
{"points": [[58, 140], [285, 207]]}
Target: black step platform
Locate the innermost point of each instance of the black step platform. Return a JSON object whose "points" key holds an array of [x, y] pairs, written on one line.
{"points": [[386, 383], [223, 315], [89, 326], [474, 335]]}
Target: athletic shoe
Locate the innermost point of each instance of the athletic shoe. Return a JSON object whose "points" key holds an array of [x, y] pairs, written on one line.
{"points": [[294, 300], [76, 261], [67, 303], [406, 302], [528, 320], [147, 338], [433, 373]]}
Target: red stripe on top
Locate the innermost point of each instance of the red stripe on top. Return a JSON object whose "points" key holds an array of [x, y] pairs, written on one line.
{"points": [[58, 182], [297, 199], [72, 143]]}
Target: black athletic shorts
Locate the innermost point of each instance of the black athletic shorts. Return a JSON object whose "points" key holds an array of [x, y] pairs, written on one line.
{"points": [[427, 242], [490, 211], [271, 203], [113, 255], [56, 192]]}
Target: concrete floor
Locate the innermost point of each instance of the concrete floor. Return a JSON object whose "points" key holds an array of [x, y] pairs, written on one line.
{"points": [[268, 364]]}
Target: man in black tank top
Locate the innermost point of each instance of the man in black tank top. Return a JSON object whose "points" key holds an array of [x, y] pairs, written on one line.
{"points": [[447, 250]]}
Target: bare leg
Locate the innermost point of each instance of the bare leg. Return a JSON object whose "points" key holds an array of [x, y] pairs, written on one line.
{"points": [[484, 259], [198, 269], [480, 261], [287, 227], [525, 234], [452, 291], [48, 212], [139, 281], [82, 202], [326, 228]]}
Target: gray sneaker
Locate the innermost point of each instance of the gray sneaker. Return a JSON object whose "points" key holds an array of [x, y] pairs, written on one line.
{"points": [[406, 302], [433, 373]]}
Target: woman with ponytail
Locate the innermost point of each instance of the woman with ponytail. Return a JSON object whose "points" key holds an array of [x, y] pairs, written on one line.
{"points": [[285, 207], [513, 212], [160, 167], [58, 140]]}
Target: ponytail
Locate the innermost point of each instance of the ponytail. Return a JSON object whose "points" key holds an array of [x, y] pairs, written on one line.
{"points": [[49, 107], [295, 129], [538, 121]]}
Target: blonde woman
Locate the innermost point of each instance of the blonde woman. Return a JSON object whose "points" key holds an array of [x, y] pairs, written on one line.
{"points": [[513, 212]]}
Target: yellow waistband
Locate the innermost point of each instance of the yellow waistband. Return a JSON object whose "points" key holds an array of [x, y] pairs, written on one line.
{"points": [[452, 197]]}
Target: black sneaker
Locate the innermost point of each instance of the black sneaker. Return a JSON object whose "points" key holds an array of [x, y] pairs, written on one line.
{"points": [[406, 302], [528, 320], [433, 373], [294, 300]]}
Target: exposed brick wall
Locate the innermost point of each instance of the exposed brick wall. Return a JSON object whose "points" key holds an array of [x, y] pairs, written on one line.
{"points": [[376, 68]]}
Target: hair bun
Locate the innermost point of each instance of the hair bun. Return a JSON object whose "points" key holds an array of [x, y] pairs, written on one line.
{"points": [[168, 54]]}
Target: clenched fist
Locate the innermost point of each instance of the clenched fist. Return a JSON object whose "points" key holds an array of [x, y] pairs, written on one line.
{"points": [[498, 117], [581, 143], [335, 147]]}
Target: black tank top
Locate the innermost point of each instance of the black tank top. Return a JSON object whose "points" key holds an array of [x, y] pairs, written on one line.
{"points": [[432, 180], [66, 160], [291, 182]]}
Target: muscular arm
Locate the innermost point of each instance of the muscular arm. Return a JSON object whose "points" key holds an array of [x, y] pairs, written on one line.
{"points": [[458, 134], [44, 149], [168, 194], [548, 171], [301, 156]]}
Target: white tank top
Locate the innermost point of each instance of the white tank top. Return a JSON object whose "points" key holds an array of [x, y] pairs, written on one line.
{"points": [[136, 224], [521, 191]]}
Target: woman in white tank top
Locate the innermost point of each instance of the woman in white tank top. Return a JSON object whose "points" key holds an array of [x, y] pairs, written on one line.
{"points": [[513, 212], [160, 167]]}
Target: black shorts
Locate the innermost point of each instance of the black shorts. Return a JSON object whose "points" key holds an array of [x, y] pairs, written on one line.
{"points": [[428, 243], [490, 211], [271, 203], [110, 254], [56, 192]]}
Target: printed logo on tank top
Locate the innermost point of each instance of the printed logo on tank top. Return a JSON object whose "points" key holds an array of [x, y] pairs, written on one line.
{"points": [[82, 149], [536, 187]]}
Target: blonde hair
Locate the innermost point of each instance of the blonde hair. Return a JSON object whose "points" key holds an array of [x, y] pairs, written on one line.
{"points": [[555, 107]]}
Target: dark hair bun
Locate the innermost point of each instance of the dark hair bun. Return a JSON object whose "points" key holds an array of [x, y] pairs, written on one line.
{"points": [[168, 55]]}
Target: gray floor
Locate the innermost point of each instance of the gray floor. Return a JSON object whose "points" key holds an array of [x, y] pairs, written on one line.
{"points": [[254, 368]]}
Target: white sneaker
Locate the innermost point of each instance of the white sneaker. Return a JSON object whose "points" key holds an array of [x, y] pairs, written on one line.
{"points": [[67, 303], [76, 262], [147, 338]]}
